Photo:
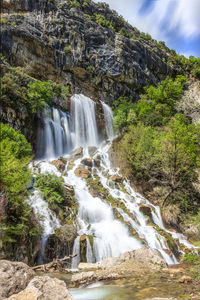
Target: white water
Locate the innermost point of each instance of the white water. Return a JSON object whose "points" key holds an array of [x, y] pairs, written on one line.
{"points": [[111, 237], [108, 117], [61, 132], [46, 217]]}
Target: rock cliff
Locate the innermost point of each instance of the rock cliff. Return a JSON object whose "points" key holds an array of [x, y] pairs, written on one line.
{"points": [[81, 44]]}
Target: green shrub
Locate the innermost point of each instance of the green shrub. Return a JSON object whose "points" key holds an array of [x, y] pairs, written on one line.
{"points": [[52, 188], [67, 49], [39, 93], [74, 4], [17, 224]]}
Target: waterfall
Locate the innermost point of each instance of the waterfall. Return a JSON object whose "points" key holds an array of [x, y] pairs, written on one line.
{"points": [[108, 117], [102, 218], [84, 121], [62, 132], [47, 219]]}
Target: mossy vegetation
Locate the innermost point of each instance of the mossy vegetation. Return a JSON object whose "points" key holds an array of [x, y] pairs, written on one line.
{"points": [[59, 200], [18, 224], [19, 89]]}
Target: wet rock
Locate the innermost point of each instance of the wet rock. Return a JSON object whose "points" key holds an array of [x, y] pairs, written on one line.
{"points": [[97, 162], [59, 164], [87, 162], [69, 188], [70, 164], [92, 276], [44, 288], [82, 172], [88, 266], [185, 279], [116, 178], [82, 278], [14, 277], [61, 242], [140, 255], [78, 153], [145, 209], [92, 150]]}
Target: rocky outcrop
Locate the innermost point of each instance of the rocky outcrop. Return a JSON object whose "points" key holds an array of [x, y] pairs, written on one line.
{"points": [[44, 288], [77, 153], [82, 172], [138, 261], [14, 277], [82, 44], [59, 164], [61, 242], [87, 162], [116, 178], [190, 102]]}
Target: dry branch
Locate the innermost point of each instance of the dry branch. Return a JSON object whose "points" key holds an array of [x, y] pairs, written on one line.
{"points": [[56, 264]]}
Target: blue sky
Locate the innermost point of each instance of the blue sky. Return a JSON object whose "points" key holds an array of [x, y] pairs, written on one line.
{"points": [[177, 22]]}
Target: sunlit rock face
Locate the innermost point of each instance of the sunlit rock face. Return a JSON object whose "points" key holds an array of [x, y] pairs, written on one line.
{"points": [[57, 41]]}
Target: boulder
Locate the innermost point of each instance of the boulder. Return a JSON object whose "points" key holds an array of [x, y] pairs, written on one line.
{"points": [[88, 266], [69, 189], [70, 164], [143, 255], [185, 279], [116, 178], [14, 277], [82, 172], [92, 150], [78, 153], [59, 164], [87, 162], [145, 209], [97, 162], [192, 232], [44, 288]]}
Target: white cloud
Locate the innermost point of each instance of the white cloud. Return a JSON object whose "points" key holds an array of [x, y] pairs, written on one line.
{"points": [[184, 17]]}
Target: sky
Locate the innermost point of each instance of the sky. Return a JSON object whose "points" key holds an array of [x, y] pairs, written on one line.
{"points": [[177, 22]]}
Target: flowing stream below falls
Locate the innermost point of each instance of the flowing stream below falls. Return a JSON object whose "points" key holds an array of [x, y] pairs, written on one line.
{"points": [[116, 221]]}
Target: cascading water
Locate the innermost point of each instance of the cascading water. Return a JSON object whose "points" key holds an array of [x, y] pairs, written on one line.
{"points": [[61, 132], [96, 217], [108, 116], [47, 219]]}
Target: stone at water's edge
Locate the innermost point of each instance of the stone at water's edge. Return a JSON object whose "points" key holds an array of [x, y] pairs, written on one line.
{"points": [[44, 288], [136, 261], [82, 172], [14, 277], [143, 255], [59, 164]]}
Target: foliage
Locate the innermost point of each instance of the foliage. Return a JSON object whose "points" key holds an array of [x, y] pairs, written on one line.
{"points": [[39, 93], [161, 146], [155, 108], [15, 175], [190, 65], [101, 20], [17, 88], [52, 188], [67, 49], [74, 4]]}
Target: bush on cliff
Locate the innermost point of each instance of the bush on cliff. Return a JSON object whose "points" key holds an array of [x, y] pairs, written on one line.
{"points": [[162, 147], [17, 224]]}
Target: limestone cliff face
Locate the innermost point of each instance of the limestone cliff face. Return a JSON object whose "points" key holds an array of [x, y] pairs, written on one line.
{"points": [[82, 44]]}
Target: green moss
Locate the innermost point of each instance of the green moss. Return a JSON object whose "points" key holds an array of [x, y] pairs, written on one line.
{"points": [[170, 241], [91, 240]]}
